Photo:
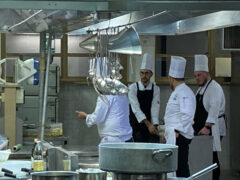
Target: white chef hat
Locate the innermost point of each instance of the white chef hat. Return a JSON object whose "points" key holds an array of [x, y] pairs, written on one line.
{"points": [[201, 62], [147, 62], [177, 67]]}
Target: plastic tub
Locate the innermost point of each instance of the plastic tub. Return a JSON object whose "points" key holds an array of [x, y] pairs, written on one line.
{"points": [[4, 155]]}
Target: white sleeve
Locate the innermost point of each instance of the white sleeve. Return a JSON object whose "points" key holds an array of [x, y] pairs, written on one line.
{"points": [[187, 109], [214, 102], [155, 106], [132, 95], [100, 113]]}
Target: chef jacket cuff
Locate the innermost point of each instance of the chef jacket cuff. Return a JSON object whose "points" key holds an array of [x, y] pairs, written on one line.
{"points": [[155, 121], [141, 118], [89, 121], [211, 120]]}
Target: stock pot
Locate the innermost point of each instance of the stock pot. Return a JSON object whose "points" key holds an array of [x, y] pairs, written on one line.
{"points": [[93, 176], [55, 175], [138, 158]]}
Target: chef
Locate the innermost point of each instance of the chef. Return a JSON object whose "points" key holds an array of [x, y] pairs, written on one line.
{"points": [[112, 119], [210, 111], [144, 98], [179, 114]]}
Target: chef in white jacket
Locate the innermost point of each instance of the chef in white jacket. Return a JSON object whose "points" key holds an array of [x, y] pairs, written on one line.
{"points": [[210, 111], [179, 114], [112, 120], [144, 97]]}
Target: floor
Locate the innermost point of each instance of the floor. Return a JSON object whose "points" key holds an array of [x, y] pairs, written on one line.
{"points": [[226, 175]]}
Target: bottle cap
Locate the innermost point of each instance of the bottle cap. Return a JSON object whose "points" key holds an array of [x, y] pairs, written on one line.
{"points": [[36, 139]]}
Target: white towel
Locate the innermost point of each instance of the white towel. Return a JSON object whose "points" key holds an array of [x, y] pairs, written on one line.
{"points": [[170, 139], [170, 135]]}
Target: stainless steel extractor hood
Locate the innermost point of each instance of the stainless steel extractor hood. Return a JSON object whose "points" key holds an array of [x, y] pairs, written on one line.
{"points": [[154, 17]]}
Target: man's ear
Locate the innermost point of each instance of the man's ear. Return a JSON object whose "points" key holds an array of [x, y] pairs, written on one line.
{"points": [[151, 74]]}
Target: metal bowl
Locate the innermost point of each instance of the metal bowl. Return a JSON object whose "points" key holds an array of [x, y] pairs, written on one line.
{"points": [[138, 158]]}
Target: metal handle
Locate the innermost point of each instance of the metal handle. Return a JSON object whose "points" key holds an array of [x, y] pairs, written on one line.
{"points": [[10, 175], [7, 171], [29, 171], [156, 154], [204, 171]]}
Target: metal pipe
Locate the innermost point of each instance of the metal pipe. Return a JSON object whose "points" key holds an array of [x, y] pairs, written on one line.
{"points": [[25, 20], [204, 171], [129, 23], [41, 77], [46, 86]]}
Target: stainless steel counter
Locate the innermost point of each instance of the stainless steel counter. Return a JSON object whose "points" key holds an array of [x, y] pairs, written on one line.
{"points": [[15, 166], [87, 155], [83, 151], [23, 153]]}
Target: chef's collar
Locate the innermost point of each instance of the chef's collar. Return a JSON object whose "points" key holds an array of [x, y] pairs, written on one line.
{"points": [[179, 86], [204, 86], [149, 86], [206, 83]]}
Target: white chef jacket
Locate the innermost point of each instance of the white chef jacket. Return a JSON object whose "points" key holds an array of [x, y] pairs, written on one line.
{"points": [[214, 104], [180, 111], [155, 108], [113, 120]]}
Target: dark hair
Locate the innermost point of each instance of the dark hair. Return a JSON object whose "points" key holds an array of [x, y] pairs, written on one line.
{"points": [[179, 79]]}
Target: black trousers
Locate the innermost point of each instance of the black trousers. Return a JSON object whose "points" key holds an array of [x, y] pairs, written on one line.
{"points": [[130, 140], [216, 172], [144, 136], [183, 151]]}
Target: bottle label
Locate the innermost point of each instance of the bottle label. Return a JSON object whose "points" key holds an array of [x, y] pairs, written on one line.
{"points": [[38, 165], [67, 165]]}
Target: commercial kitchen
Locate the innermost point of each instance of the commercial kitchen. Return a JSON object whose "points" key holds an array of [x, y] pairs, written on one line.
{"points": [[49, 52]]}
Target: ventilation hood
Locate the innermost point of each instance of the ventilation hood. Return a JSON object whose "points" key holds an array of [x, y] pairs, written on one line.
{"points": [[155, 17]]}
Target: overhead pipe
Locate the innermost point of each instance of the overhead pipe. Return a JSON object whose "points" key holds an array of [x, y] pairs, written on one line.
{"points": [[46, 87], [25, 20], [42, 62], [116, 23]]}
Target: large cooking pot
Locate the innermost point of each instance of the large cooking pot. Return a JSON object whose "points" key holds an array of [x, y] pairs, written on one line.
{"points": [[55, 175], [138, 158], [92, 174]]}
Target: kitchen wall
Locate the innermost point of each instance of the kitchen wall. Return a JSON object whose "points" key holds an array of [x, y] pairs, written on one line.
{"points": [[134, 61], [77, 97], [234, 118]]}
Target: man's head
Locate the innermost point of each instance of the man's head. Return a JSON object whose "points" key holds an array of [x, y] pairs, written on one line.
{"points": [[201, 77], [176, 71], [146, 70], [201, 73], [171, 82]]}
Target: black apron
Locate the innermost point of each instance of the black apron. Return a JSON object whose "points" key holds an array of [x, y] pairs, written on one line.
{"points": [[201, 114], [140, 130], [199, 122]]}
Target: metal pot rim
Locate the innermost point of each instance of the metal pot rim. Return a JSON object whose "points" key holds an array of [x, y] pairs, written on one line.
{"points": [[137, 145], [54, 173]]}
